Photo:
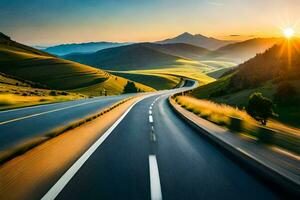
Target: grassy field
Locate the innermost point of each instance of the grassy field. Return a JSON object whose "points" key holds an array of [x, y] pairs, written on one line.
{"points": [[156, 81], [187, 71], [15, 96], [114, 85]]}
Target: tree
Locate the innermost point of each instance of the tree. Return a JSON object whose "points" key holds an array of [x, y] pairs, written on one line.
{"points": [[260, 108], [130, 88], [285, 93]]}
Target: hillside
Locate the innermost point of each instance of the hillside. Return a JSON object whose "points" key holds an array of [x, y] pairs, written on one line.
{"points": [[275, 73], [135, 56], [197, 40], [89, 47], [16, 93], [242, 51], [52, 72], [183, 50]]}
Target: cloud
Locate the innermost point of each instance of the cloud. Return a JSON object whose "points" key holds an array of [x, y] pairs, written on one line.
{"points": [[234, 35], [213, 3]]}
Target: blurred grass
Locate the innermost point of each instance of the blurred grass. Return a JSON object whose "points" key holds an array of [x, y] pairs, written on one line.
{"points": [[274, 133]]}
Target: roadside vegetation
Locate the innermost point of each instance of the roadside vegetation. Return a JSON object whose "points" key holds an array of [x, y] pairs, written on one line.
{"points": [[239, 121]]}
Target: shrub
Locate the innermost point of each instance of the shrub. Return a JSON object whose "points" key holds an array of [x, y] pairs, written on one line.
{"points": [[130, 88], [53, 93], [285, 93], [260, 108]]}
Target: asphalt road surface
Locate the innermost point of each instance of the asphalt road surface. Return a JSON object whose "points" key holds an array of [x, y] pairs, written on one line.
{"points": [[153, 154], [21, 124]]}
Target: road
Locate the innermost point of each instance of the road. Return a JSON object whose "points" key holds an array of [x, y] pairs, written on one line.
{"points": [[153, 154], [21, 124]]}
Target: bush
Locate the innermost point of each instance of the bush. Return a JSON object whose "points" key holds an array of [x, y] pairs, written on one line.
{"points": [[260, 108], [285, 93], [53, 93], [130, 88]]}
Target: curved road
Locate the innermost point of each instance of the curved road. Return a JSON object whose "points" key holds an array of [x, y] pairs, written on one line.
{"points": [[153, 154], [21, 124]]}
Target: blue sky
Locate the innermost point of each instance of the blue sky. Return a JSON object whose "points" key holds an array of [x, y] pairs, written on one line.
{"points": [[64, 21]]}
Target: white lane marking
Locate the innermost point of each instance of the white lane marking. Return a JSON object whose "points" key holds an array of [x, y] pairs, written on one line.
{"points": [[46, 112], [63, 181], [152, 134], [150, 119], [150, 112], [150, 108], [155, 187], [153, 137]]}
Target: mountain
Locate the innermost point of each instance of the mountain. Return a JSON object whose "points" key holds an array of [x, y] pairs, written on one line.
{"points": [[90, 47], [183, 50], [130, 57], [281, 62], [196, 40], [51, 72], [241, 51]]}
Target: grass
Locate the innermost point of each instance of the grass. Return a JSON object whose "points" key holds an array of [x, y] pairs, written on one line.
{"points": [[287, 114], [238, 120], [188, 72], [156, 81], [218, 113], [15, 93], [114, 85]]}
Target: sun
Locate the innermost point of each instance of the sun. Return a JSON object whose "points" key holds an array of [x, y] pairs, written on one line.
{"points": [[288, 32]]}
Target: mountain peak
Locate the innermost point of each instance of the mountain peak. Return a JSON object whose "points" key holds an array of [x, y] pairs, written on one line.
{"points": [[196, 40], [4, 37], [185, 34]]}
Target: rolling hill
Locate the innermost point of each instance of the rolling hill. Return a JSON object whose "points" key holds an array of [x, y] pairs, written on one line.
{"points": [[275, 73], [135, 56], [89, 47], [34, 65], [241, 51], [196, 40]]}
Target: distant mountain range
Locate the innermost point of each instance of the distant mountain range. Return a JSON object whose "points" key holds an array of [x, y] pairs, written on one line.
{"points": [[241, 51], [89, 47], [197, 40], [156, 55]]}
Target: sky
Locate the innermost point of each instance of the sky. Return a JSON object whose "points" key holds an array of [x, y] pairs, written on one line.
{"points": [[49, 22]]}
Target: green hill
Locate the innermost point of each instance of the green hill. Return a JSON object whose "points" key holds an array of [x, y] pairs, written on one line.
{"points": [[52, 72], [275, 73], [135, 56]]}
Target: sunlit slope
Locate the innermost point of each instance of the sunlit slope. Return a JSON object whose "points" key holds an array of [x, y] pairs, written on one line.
{"points": [[113, 85], [156, 81], [277, 67], [52, 72], [184, 72]]}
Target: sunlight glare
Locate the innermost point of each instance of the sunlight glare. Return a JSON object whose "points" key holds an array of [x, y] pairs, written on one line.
{"points": [[288, 32]]}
